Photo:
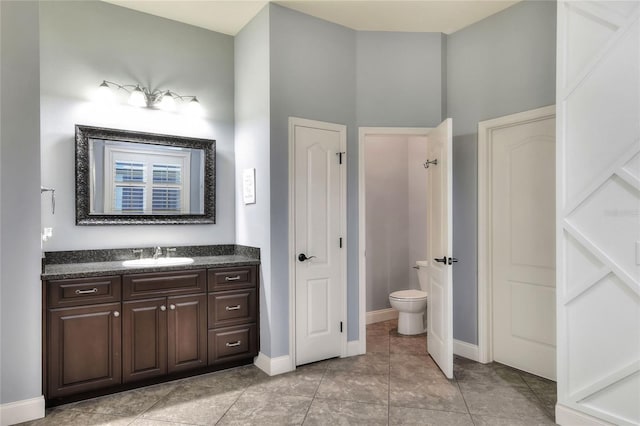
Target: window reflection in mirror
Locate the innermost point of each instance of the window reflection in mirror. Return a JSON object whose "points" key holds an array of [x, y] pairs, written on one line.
{"points": [[131, 178]]}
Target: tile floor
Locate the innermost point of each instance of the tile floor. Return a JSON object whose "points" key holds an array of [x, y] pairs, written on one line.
{"points": [[395, 383]]}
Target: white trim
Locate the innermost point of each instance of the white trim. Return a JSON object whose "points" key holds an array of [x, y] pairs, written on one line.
{"points": [[381, 315], [342, 129], [356, 347], [485, 139], [273, 366], [566, 416], [363, 132], [22, 411], [465, 350]]}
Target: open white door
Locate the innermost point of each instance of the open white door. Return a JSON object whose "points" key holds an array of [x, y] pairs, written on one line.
{"points": [[439, 248]]}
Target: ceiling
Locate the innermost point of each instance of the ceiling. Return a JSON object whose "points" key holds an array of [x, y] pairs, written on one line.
{"points": [[229, 16]]}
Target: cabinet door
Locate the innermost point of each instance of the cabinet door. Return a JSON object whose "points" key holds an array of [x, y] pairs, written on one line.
{"points": [[144, 339], [83, 349], [187, 332]]}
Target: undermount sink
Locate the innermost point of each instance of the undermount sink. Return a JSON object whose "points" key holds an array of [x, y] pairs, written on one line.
{"points": [[161, 261]]}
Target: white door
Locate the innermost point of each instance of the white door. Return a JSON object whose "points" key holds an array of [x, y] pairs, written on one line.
{"points": [[598, 186], [439, 248], [523, 236], [319, 193]]}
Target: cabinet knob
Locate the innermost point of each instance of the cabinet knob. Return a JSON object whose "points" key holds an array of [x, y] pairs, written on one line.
{"points": [[163, 308], [172, 307], [116, 314]]}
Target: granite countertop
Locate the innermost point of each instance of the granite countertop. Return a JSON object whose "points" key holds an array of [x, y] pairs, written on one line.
{"points": [[61, 265]]}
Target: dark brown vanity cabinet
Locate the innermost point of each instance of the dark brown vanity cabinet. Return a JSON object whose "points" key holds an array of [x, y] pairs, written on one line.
{"points": [[83, 341], [167, 333], [233, 313], [113, 331]]}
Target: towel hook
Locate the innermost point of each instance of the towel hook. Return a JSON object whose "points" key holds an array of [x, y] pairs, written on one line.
{"points": [[434, 162]]}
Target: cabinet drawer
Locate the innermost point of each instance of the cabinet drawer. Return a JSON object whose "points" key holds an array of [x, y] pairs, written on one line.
{"points": [[232, 343], [232, 307], [83, 291], [139, 286], [231, 278]]}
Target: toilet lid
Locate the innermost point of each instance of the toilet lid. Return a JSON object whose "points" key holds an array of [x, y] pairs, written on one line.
{"points": [[408, 294]]}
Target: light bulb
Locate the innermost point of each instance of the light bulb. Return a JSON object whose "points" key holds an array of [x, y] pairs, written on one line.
{"points": [[137, 97], [195, 108], [167, 102], [104, 94]]}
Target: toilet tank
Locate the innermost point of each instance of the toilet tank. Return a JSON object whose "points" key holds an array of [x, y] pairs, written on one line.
{"points": [[422, 273]]}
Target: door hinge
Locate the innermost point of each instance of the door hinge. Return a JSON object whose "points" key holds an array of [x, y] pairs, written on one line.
{"points": [[340, 154], [340, 326], [340, 242]]}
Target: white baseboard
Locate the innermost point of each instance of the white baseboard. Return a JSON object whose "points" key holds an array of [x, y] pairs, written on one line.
{"points": [[466, 350], [566, 416], [21, 411], [356, 347], [273, 366], [381, 315]]}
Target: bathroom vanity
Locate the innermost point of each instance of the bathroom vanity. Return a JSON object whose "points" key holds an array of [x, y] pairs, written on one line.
{"points": [[109, 327]]}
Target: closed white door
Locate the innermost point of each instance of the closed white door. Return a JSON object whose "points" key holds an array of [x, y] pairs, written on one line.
{"points": [[598, 186], [439, 248], [523, 255], [319, 192]]}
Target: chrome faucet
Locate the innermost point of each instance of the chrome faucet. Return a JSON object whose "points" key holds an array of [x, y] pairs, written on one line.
{"points": [[157, 253]]}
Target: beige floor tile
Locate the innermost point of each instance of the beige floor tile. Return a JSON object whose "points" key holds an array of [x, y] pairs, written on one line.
{"points": [[339, 385], [418, 416], [330, 412]]}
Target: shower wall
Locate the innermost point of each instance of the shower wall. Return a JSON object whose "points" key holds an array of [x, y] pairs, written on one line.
{"points": [[395, 214]]}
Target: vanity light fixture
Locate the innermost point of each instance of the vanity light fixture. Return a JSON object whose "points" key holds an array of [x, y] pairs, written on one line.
{"points": [[141, 96]]}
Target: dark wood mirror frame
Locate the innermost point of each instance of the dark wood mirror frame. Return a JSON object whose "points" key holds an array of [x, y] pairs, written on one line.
{"points": [[83, 173]]}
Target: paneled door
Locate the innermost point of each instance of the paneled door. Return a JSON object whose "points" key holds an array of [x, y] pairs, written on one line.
{"points": [[598, 173], [319, 204], [439, 247], [522, 224]]}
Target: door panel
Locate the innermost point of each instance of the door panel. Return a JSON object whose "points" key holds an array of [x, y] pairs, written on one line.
{"points": [[144, 339], [187, 332], [318, 208], [439, 244], [84, 349], [523, 235]]}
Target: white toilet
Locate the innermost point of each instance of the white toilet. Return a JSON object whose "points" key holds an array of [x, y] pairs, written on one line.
{"points": [[412, 304]]}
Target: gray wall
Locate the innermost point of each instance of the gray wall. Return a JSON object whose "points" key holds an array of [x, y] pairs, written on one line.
{"points": [[20, 293], [396, 214], [252, 147], [501, 65], [399, 79], [387, 217], [312, 76], [83, 43]]}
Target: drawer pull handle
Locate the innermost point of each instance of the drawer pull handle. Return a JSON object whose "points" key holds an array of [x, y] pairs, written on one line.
{"points": [[231, 345], [93, 290], [236, 278], [232, 308]]}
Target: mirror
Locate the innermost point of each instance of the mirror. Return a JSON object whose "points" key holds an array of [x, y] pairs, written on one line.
{"points": [[125, 177]]}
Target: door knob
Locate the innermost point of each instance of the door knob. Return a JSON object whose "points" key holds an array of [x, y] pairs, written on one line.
{"points": [[452, 260], [443, 260], [302, 257]]}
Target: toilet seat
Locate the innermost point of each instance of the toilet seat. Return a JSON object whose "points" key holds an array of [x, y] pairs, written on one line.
{"points": [[408, 294]]}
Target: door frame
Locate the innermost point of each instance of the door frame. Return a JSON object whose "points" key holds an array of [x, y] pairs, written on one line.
{"points": [[342, 130], [485, 232], [363, 132]]}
